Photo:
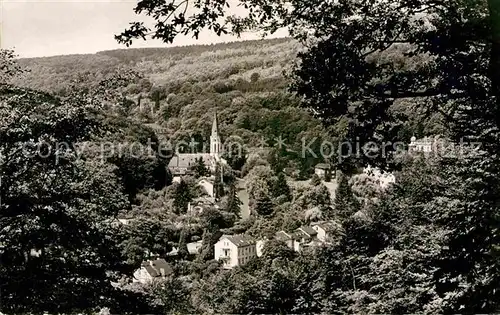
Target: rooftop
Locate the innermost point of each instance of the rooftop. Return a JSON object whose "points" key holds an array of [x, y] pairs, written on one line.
{"points": [[283, 236], [327, 226], [157, 267], [239, 240], [323, 166], [185, 160], [309, 231]]}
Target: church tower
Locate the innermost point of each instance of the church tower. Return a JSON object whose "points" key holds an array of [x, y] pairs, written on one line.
{"points": [[215, 143]]}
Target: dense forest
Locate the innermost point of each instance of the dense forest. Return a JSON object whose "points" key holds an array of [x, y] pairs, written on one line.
{"points": [[354, 71]]}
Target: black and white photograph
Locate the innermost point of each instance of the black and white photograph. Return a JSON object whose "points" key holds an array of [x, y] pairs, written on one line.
{"points": [[249, 157]]}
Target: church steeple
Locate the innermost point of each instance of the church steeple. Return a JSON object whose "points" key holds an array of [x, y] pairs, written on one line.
{"points": [[215, 127], [215, 143]]}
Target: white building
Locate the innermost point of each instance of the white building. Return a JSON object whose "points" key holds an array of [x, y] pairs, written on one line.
{"points": [[425, 145], [326, 230], [235, 250], [152, 269], [304, 235]]}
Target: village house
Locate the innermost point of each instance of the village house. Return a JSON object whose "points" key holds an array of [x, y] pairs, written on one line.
{"points": [[287, 238], [326, 230], [197, 205], [235, 250], [151, 270], [322, 169], [303, 236], [427, 144], [421, 145]]}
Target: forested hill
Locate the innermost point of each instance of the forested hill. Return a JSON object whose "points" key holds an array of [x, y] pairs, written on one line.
{"points": [[177, 90], [197, 63]]}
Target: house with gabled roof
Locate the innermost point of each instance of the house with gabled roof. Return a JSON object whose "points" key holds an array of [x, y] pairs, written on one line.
{"points": [[287, 238], [326, 230], [305, 233], [151, 270], [235, 250]]}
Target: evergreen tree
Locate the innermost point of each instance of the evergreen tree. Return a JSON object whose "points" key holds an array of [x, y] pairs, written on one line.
{"points": [[182, 249], [218, 185], [182, 197], [263, 205], [277, 160], [233, 202], [345, 202], [281, 188]]}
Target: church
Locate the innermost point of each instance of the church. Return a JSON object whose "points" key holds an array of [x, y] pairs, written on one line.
{"points": [[181, 163]]}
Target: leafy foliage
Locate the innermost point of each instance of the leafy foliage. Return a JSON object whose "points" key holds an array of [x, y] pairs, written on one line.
{"points": [[57, 241]]}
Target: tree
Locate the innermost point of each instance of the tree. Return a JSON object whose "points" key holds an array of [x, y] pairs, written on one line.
{"points": [[281, 188], [182, 249], [9, 68], [235, 152], [318, 196], [144, 236], [182, 196], [218, 185], [173, 295], [345, 202], [200, 168], [263, 205], [58, 244], [233, 202]]}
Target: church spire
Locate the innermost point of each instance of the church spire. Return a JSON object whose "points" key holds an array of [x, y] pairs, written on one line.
{"points": [[215, 127], [215, 143]]}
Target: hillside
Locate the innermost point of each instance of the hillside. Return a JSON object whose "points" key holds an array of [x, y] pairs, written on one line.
{"points": [[176, 91]]}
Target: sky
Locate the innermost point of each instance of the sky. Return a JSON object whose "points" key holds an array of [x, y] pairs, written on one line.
{"points": [[60, 27]]}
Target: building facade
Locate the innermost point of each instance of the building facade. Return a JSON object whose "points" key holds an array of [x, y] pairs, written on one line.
{"points": [[323, 170], [235, 250]]}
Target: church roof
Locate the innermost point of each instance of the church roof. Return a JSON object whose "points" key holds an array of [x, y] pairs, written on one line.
{"points": [[185, 160]]}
